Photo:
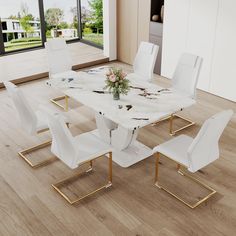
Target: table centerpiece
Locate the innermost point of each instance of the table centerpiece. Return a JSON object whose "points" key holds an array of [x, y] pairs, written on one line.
{"points": [[117, 83]]}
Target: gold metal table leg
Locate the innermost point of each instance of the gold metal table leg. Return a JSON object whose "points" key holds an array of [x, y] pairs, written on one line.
{"points": [[171, 120], [190, 123], [55, 101]]}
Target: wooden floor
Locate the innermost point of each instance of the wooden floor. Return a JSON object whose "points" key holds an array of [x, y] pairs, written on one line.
{"points": [[133, 206]]}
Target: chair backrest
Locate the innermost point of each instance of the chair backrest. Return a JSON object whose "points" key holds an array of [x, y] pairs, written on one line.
{"points": [[27, 115], [58, 56], [62, 140], [205, 147], [145, 60], [186, 74]]}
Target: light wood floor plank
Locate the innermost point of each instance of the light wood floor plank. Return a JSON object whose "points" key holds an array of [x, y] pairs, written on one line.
{"points": [[16, 217]]}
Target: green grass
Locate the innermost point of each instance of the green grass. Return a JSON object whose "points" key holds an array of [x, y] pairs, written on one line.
{"points": [[25, 40], [95, 38], [21, 45], [17, 44]]}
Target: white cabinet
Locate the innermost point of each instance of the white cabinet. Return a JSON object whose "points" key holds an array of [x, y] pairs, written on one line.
{"points": [[200, 36], [223, 82], [206, 28], [174, 34]]}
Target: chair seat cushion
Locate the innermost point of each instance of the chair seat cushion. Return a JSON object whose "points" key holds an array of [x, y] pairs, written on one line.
{"points": [[176, 149], [89, 147]]}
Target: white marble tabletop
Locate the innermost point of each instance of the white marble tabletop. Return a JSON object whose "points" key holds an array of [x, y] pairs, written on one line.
{"points": [[144, 104]]}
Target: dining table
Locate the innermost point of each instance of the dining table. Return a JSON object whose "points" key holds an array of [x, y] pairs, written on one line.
{"points": [[119, 121]]}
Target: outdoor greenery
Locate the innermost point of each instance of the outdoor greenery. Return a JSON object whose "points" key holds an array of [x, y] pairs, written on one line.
{"points": [[26, 40], [92, 22], [95, 38], [25, 19], [16, 46], [97, 13], [87, 31], [91, 19], [53, 18]]}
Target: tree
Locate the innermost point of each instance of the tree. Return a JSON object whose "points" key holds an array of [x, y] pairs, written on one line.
{"points": [[25, 24], [75, 17], [31, 17], [54, 17], [63, 25], [97, 12], [85, 15], [25, 19]]}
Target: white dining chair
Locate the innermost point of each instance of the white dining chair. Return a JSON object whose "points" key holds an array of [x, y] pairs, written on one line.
{"points": [[185, 81], [75, 152], [144, 61], [60, 65], [33, 122], [194, 154]]}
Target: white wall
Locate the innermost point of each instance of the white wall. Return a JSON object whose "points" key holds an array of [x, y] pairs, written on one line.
{"points": [[224, 58], [205, 28], [109, 29], [174, 34]]}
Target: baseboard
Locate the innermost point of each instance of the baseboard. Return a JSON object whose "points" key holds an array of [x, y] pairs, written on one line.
{"points": [[45, 74]]}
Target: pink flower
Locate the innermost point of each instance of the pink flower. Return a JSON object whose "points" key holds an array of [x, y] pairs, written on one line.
{"points": [[123, 75], [108, 73], [112, 78]]}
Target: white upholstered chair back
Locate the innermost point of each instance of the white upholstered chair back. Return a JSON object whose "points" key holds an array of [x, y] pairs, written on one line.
{"points": [[58, 56], [62, 140], [27, 115], [145, 60], [186, 74], [205, 147]]}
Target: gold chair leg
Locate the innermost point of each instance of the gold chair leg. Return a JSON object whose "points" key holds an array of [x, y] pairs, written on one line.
{"points": [[171, 119], [34, 148], [90, 167], [42, 131], [55, 101], [64, 182], [171, 125], [192, 206], [173, 132]]}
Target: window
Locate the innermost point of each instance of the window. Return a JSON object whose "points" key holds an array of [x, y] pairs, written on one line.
{"points": [[4, 25], [16, 25], [61, 19], [18, 19], [28, 24], [92, 21]]}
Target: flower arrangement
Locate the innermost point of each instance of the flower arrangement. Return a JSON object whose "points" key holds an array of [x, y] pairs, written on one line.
{"points": [[117, 83]]}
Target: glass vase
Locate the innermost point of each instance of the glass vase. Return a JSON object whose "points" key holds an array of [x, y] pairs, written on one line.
{"points": [[116, 95]]}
